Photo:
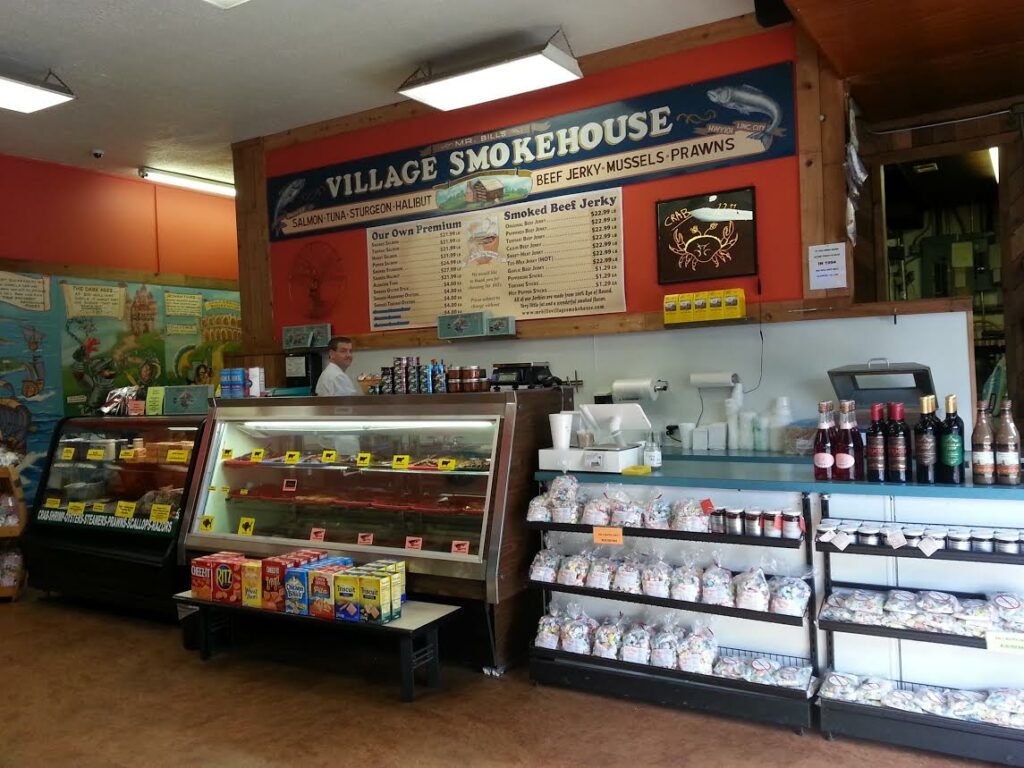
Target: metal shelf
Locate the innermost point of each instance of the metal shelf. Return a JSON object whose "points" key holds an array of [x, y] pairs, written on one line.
{"points": [[656, 533], [900, 634], [915, 553], [682, 605], [349, 467]]}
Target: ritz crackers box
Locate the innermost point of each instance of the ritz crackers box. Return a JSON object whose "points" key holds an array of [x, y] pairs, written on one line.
{"points": [[227, 579], [252, 583]]}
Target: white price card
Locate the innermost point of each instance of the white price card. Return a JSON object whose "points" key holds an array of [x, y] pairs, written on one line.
{"points": [[896, 539], [929, 546], [1005, 642], [842, 540]]}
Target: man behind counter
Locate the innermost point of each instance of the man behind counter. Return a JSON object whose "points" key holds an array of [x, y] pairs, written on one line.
{"points": [[334, 381]]}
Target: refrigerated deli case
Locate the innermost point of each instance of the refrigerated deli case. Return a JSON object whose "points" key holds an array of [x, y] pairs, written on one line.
{"points": [[107, 515], [440, 481]]}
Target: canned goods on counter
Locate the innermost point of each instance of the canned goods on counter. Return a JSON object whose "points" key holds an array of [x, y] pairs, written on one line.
{"points": [[791, 524], [753, 522], [772, 523]]}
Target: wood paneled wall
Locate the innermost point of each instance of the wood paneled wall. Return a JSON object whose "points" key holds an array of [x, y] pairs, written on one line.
{"points": [[1011, 224]]}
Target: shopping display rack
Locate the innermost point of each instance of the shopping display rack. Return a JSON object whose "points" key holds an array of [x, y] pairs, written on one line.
{"points": [[10, 483]]}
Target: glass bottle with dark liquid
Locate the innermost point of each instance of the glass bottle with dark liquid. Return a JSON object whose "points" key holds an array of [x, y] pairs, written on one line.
{"points": [[926, 443], [897, 446], [875, 448], [847, 449], [983, 451], [951, 446], [824, 461], [1007, 447]]}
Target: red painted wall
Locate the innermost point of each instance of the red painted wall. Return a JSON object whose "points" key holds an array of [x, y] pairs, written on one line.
{"points": [[776, 181], [56, 213]]}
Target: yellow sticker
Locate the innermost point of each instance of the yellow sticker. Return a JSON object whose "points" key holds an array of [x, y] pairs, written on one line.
{"points": [[213, 488], [243, 492], [328, 457], [125, 509], [446, 465], [223, 489], [400, 461], [177, 456], [67, 454], [292, 457], [257, 455], [246, 526], [76, 507], [160, 513], [206, 523], [52, 503], [95, 454], [226, 454], [363, 460], [99, 506], [126, 454]]}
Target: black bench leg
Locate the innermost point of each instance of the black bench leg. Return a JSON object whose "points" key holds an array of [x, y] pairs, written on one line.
{"points": [[204, 634], [434, 663], [408, 680]]}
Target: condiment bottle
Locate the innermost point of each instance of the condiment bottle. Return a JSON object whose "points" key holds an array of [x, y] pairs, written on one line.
{"points": [[925, 442], [1007, 447], [875, 449], [983, 457], [897, 446], [824, 461], [858, 442], [652, 452], [951, 446], [848, 454]]}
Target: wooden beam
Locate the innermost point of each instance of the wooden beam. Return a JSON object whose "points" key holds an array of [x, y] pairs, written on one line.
{"points": [[812, 177], [125, 275], [254, 278]]}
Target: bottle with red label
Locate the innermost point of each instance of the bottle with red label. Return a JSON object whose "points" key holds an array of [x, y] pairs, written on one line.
{"points": [[847, 448], [875, 449], [898, 453], [824, 460]]}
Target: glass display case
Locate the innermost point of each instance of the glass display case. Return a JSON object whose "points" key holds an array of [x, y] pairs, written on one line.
{"points": [[109, 506], [441, 481]]}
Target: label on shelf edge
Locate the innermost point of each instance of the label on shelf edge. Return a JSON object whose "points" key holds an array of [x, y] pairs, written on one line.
{"points": [[607, 535], [400, 461], [364, 538], [226, 454], [52, 503], [246, 526], [160, 513], [460, 547], [257, 454], [125, 509], [446, 465], [206, 523], [76, 507], [292, 457], [328, 457], [290, 485], [177, 456], [223, 489], [1004, 642], [126, 454], [95, 454], [67, 454], [99, 506], [243, 491], [414, 542], [317, 534], [363, 460]]}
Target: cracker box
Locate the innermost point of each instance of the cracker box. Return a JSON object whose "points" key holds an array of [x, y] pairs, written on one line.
{"points": [[252, 583], [321, 590], [201, 570], [397, 570], [272, 586], [296, 590], [227, 580], [375, 597], [346, 595]]}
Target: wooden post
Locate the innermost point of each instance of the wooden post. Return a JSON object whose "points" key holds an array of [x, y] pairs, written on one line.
{"points": [[254, 278]]}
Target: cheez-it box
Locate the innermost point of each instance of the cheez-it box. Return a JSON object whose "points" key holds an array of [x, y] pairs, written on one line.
{"points": [[227, 580], [202, 577]]}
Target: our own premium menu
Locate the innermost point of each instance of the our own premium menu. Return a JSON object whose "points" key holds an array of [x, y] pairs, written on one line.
{"points": [[554, 257]]}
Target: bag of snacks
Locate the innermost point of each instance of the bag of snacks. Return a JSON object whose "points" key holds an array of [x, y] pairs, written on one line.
{"points": [[716, 585], [751, 588], [539, 511], [549, 628], [597, 512], [545, 563], [665, 643], [932, 601], [636, 644], [608, 637], [577, 632], [1009, 605], [1006, 700], [565, 513], [688, 516], [903, 700], [790, 595], [900, 601], [794, 677], [697, 652], [761, 670], [834, 608], [602, 570], [964, 705], [864, 601], [980, 612], [627, 576], [684, 583], [563, 490], [731, 667], [933, 701], [656, 576], [627, 514], [657, 512], [873, 689], [839, 686], [572, 571]]}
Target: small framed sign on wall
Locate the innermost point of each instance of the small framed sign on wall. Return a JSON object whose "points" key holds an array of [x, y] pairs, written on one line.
{"points": [[708, 236]]}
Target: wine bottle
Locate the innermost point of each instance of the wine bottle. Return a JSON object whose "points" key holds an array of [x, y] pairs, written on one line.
{"points": [[845, 448], [1007, 447], [897, 446], [925, 443], [824, 461], [983, 457], [875, 449], [951, 446], [858, 443]]}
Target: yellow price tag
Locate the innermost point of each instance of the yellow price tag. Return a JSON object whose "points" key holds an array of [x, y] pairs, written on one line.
{"points": [[99, 506], [363, 460], [243, 492], [446, 465], [67, 454], [95, 454], [206, 523], [223, 489], [160, 513], [177, 456], [126, 454], [328, 457], [226, 454], [52, 503], [400, 461], [257, 455], [76, 507], [291, 457], [246, 526], [125, 509]]}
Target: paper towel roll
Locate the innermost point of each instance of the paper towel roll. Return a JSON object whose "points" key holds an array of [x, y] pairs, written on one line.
{"points": [[633, 390], [717, 379]]}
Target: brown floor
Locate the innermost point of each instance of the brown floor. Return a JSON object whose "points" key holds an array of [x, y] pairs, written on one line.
{"points": [[84, 688]]}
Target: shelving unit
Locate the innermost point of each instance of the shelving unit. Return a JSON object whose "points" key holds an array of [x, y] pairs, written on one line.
{"points": [[656, 533], [9, 535], [917, 554]]}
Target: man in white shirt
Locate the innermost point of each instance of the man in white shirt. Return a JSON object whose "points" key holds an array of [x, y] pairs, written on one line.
{"points": [[334, 381]]}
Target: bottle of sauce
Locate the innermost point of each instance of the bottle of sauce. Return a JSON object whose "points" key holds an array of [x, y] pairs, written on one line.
{"points": [[897, 446], [983, 457], [926, 443], [951, 446], [875, 449], [845, 449], [1007, 447], [824, 461]]}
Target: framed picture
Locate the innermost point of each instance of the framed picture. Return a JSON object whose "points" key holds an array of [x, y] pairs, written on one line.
{"points": [[706, 237]]}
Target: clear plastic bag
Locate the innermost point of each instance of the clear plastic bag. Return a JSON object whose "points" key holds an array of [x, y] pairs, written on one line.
{"points": [[751, 590], [1010, 606], [698, 650], [716, 585], [900, 601], [656, 576], [563, 491], [731, 667], [932, 700], [657, 512], [627, 514], [687, 515], [1006, 700], [539, 511], [549, 628], [685, 581], [545, 566], [977, 612], [794, 677], [964, 705], [790, 595], [665, 643], [577, 631], [565, 513], [627, 576], [602, 570], [608, 637], [839, 686], [873, 689], [573, 569], [903, 700], [931, 601], [864, 601], [597, 512], [636, 644], [761, 670]]}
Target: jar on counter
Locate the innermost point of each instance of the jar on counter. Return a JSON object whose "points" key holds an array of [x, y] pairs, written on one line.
{"points": [[1008, 542], [734, 522], [887, 530], [868, 535], [827, 526], [981, 540], [959, 539], [717, 521], [753, 522], [470, 372], [791, 524], [938, 535], [771, 524], [849, 528], [913, 535]]}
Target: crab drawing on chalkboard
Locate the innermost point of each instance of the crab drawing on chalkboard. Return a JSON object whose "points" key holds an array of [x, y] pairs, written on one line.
{"points": [[697, 241]]}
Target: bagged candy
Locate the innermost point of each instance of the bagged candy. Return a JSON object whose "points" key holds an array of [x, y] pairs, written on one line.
{"points": [[563, 490], [900, 601], [602, 570], [931, 601], [794, 677], [549, 629], [790, 595], [597, 512], [761, 670], [731, 667], [840, 686], [716, 586], [688, 516], [834, 608], [608, 637], [751, 589], [657, 513], [1009, 605], [539, 511], [977, 612], [573, 570], [964, 705], [565, 513], [904, 700], [698, 650], [636, 644], [864, 601], [684, 583], [577, 632], [933, 701], [1006, 700], [656, 577], [627, 576], [627, 514], [545, 565], [665, 643], [873, 689]]}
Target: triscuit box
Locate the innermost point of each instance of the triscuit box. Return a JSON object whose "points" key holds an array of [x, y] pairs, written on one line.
{"points": [[375, 597], [400, 570], [397, 570], [296, 591], [346, 596], [252, 583]]}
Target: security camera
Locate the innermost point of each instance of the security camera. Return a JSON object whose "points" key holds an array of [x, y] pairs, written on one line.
{"points": [[98, 153]]}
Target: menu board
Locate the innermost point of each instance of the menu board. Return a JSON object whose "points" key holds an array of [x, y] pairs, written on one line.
{"points": [[555, 257]]}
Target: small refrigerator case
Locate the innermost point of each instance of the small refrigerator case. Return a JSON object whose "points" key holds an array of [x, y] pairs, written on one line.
{"points": [[879, 381], [108, 510]]}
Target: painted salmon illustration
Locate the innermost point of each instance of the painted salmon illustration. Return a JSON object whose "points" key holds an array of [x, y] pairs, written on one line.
{"points": [[285, 198], [746, 99], [722, 214]]}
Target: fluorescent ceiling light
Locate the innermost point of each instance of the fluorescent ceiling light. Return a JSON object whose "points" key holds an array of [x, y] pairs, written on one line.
{"points": [[993, 156], [530, 72], [23, 97], [187, 182], [225, 4]]}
